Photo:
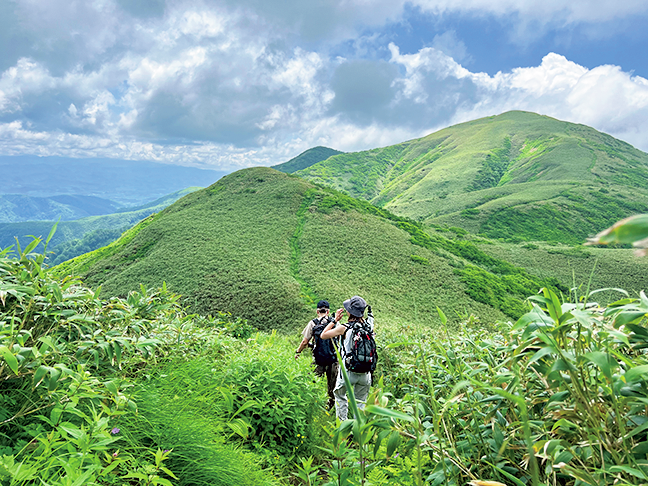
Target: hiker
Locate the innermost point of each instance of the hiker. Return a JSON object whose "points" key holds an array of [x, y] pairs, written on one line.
{"points": [[358, 352], [323, 351]]}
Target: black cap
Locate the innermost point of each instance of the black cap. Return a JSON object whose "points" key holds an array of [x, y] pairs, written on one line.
{"points": [[323, 304]]}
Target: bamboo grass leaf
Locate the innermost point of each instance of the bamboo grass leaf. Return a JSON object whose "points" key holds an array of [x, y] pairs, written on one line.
{"points": [[386, 412], [607, 289], [545, 351], [604, 361], [32, 245], [637, 373], [10, 359], [629, 470], [553, 305], [627, 317], [629, 230], [563, 365], [507, 474], [39, 375], [51, 233], [442, 316]]}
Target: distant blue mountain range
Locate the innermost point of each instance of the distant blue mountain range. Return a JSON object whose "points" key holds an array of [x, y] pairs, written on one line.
{"points": [[125, 183]]}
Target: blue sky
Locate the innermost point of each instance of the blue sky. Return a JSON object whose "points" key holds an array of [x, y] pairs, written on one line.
{"points": [[232, 84]]}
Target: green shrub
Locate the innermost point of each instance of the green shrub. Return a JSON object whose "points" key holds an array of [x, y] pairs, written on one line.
{"points": [[68, 363], [420, 259], [470, 213], [530, 246], [287, 397], [494, 167]]}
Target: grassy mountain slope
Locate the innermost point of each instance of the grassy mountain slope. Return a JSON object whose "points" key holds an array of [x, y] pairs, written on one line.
{"points": [[517, 175], [72, 238], [306, 159], [266, 246], [580, 266]]}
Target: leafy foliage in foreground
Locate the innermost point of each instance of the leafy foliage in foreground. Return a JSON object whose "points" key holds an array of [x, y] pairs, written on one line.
{"points": [[633, 230], [68, 367], [557, 398]]}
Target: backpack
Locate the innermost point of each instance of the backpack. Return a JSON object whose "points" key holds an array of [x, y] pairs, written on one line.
{"points": [[362, 355], [323, 352]]}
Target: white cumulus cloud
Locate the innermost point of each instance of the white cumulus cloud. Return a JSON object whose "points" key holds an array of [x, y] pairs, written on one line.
{"points": [[239, 83]]}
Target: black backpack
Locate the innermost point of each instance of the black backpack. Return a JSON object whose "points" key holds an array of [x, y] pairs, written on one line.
{"points": [[362, 356], [323, 352]]}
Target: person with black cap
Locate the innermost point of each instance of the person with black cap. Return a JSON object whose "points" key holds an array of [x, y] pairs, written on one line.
{"points": [[323, 351], [361, 381]]}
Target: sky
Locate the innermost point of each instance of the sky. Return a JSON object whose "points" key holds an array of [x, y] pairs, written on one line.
{"points": [[237, 83]]}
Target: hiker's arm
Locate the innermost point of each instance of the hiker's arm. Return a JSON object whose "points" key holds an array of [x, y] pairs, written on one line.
{"points": [[330, 331], [333, 331], [301, 347]]}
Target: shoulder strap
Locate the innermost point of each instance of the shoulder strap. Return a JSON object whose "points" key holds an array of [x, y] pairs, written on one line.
{"points": [[316, 322]]}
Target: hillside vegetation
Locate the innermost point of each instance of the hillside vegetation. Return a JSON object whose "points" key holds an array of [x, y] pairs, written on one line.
{"points": [[518, 176], [266, 246]]}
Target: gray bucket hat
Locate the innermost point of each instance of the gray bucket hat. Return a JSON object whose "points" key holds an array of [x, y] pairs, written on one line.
{"points": [[355, 306]]}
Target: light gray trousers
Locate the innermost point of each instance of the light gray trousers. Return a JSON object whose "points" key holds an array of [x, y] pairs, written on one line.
{"points": [[361, 383]]}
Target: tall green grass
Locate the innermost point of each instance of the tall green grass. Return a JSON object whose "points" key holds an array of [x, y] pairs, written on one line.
{"points": [[173, 416], [559, 397]]}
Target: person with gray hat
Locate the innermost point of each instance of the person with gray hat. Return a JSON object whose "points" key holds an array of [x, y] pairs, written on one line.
{"points": [[323, 350], [353, 333]]}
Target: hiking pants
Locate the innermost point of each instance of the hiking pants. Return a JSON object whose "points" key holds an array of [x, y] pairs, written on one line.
{"points": [[331, 372], [361, 383]]}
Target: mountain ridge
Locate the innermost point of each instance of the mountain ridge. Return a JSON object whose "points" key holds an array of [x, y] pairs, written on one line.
{"points": [[499, 174], [75, 237], [127, 182]]}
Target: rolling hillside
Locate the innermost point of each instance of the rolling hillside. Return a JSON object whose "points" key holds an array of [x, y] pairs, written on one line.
{"points": [[518, 176], [266, 246]]}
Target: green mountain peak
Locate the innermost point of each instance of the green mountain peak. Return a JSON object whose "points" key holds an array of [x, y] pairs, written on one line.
{"points": [[502, 176], [306, 159]]}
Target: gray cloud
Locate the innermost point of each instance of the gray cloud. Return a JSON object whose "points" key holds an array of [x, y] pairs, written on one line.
{"points": [[363, 90]]}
